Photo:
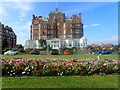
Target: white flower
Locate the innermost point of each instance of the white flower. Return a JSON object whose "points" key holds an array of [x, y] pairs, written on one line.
{"points": [[10, 74], [61, 73], [23, 72]]}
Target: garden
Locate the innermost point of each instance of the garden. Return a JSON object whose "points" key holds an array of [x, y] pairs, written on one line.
{"points": [[57, 67], [37, 68]]}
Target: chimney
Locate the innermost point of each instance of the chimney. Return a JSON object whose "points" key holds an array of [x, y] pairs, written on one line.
{"points": [[33, 16], [40, 16], [2, 25]]}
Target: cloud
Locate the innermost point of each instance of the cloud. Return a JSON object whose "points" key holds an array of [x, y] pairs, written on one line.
{"points": [[22, 8], [2, 12], [20, 24], [111, 40], [93, 25], [22, 32], [85, 26], [23, 27]]}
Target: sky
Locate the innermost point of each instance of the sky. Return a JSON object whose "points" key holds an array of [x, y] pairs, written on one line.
{"points": [[100, 19]]}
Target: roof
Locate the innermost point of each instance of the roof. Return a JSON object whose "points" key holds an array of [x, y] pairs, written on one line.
{"points": [[56, 11]]}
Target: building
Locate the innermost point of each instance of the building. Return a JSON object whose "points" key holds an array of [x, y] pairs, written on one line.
{"points": [[7, 35], [58, 30], [56, 43]]}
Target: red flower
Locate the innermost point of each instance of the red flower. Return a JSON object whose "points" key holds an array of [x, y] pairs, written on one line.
{"points": [[37, 73], [81, 65], [75, 66], [39, 70], [35, 68], [26, 60], [51, 66], [55, 69]]}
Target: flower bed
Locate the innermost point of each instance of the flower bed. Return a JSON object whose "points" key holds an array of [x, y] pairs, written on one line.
{"points": [[56, 67]]}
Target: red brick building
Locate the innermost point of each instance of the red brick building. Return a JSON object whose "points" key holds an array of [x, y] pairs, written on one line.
{"points": [[57, 25], [7, 34]]}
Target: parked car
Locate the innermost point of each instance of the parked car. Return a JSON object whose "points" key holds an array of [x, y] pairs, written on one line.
{"points": [[54, 52], [35, 52], [67, 52], [104, 52], [11, 52], [94, 51]]}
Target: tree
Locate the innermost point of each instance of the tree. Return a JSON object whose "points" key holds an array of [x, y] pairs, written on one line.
{"points": [[18, 46], [42, 42]]}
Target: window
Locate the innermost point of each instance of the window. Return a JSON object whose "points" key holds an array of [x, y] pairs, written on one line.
{"points": [[77, 36], [69, 25], [77, 25], [35, 37], [70, 44], [44, 26], [35, 32], [68, 36], [77, 30], [44, 37], [51, 27], [44, 32], [77, 21], [68, 31], [36, 22], [35, 27], [50, 32]]}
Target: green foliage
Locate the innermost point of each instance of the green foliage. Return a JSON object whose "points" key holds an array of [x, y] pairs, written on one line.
{"points": [[6, 49], [20, 48], [42, 42]]}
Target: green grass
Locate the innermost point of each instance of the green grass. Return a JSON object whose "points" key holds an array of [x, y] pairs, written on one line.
{"points": [[61, 82], [63, 56]]}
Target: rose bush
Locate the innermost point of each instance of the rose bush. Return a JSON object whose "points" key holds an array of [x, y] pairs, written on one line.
{"points": [[56, 67]]}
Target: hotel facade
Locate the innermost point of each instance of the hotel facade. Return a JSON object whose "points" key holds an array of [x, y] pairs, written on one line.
{"points": [[7, 35], [58, 31]]}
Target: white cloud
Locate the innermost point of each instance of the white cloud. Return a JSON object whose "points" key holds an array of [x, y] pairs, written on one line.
{"points": [[95, 25], [3, 12], [23, 27], [23, 32], [111, 40], [85, 26], [22, 8]]}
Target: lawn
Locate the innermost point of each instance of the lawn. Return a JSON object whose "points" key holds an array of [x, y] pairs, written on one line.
{"points": [[61, 82], [115, 57]]}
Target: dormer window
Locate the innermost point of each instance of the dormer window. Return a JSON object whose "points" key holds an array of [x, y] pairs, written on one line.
{"points": [[36, 22]]}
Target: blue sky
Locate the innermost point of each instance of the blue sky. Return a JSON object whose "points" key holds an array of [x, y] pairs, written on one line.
{"points": [[100, 19]]}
